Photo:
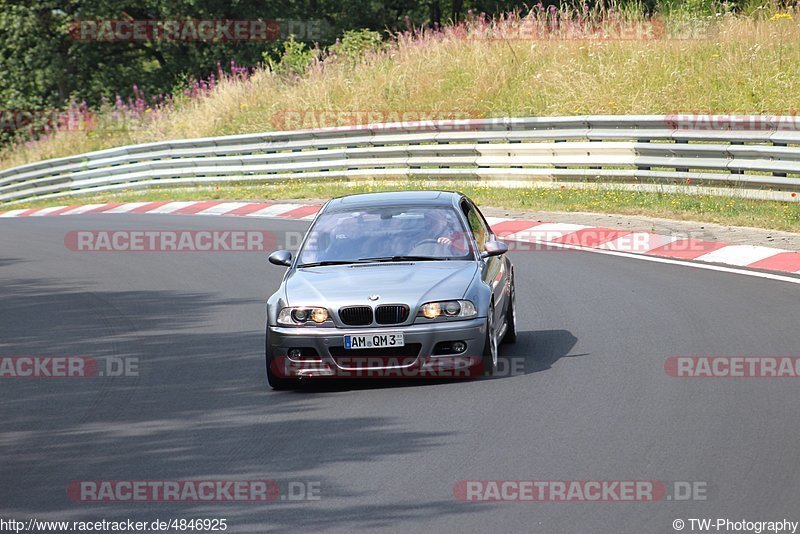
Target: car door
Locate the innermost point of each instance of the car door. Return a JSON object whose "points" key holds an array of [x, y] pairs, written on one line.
{"points": [[494, 271]]}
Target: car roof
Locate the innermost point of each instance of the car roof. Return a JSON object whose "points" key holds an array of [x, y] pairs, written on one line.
{"points": [[422, 198]]}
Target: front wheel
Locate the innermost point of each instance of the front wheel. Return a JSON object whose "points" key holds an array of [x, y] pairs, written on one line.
{"points": [[489, 358], [511, 316], [278, 382]]}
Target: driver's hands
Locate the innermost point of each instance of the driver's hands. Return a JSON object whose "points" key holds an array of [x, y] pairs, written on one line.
{"points": [[444, 241]]}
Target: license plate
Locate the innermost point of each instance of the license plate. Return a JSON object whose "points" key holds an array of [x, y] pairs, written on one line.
{"points": [[374, 341]]}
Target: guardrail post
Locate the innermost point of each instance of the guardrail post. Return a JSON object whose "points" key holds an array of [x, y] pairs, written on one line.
{"points": [[559, 141], [737, 171]]}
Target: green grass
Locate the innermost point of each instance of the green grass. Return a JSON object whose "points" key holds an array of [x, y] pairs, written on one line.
{"points": [[705, 208]]}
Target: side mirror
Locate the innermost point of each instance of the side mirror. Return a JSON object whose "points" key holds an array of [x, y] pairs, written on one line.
{"points": [[281, 257], [494, 248]]}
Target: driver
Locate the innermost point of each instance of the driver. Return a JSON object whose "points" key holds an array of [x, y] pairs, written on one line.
{"points": [[445, 230]]}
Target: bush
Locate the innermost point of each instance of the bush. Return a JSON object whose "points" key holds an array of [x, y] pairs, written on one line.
{"points": [[294, 60], [354, 44]]}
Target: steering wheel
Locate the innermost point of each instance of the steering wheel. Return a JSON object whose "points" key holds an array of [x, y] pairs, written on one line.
{"points": [[429, 247]]}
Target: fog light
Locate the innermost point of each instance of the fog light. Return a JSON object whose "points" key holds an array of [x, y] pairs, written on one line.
{"points": [[295, 353], [459, 346]]}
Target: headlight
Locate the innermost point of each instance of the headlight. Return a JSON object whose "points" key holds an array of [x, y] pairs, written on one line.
{"points": [[448, 309], [302, 315]]}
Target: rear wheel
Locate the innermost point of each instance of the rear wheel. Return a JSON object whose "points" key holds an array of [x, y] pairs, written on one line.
{"points": [[278, 382], [489, 357]]}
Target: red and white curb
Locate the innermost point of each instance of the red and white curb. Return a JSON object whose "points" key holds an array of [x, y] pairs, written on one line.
{"points": [[557, 234], [647, 243], [241, 209]]}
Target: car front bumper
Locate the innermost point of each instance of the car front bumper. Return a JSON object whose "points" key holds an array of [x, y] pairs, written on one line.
{"points": [[323, 353]]}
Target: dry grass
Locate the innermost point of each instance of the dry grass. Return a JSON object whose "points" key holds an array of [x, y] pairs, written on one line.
{"points": [[728, 64]]}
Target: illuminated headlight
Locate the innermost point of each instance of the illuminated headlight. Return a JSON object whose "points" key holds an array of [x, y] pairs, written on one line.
{"points": [[431, 310], [448, 309], [299, 316]]}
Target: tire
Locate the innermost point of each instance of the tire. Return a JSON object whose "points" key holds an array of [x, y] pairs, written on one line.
{"points": [[511, 316], [489, 356], [279, 383], [276, 382]]}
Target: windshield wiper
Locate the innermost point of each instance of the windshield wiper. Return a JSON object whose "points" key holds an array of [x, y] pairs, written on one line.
{"points": [[402, 258], [372, 260], [326, 262]]}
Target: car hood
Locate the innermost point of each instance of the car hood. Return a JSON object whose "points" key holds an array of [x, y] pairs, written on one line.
{"points": [[411, 283]]}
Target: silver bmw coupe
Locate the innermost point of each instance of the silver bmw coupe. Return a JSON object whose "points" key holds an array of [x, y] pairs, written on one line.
{"points": [[403, 284]]}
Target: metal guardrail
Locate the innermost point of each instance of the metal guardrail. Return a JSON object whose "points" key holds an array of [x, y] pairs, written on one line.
{"points": [[621, 149]]}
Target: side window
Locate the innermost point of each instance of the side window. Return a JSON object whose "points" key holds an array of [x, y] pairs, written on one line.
{"points": [[476, 224], [482, 219]]}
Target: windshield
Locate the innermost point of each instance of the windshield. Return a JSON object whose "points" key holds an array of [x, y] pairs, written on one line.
{"points": [[386, 234]]}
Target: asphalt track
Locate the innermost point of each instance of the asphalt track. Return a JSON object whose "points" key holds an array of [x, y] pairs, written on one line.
{"points": [[590, 400]]}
